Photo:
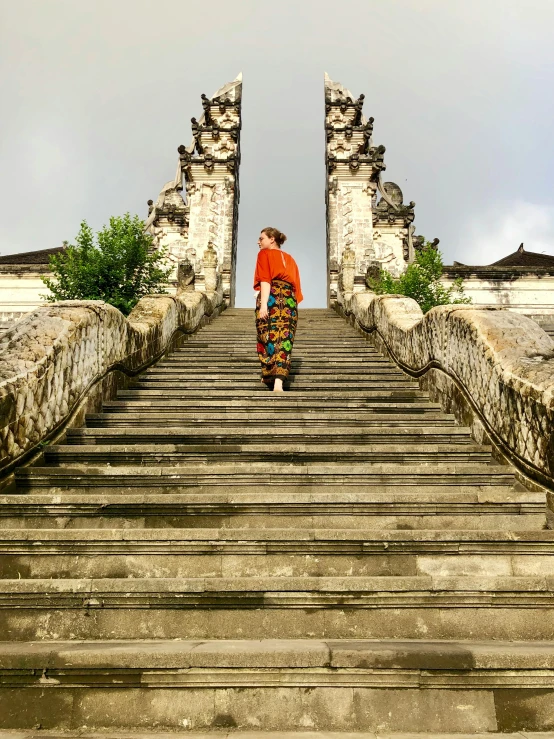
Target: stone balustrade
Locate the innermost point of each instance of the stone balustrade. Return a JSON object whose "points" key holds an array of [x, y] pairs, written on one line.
{"points": [[493, 368], [62, 359]]}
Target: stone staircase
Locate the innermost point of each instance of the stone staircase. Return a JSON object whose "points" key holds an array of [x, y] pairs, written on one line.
{"points": [[207, 555]]}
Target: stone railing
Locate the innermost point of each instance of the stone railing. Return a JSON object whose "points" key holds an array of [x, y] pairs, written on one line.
{"points": [[492, 368], [63, 359]]}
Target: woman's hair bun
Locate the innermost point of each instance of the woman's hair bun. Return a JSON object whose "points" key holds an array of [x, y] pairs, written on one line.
{"points": [[274, 233]]}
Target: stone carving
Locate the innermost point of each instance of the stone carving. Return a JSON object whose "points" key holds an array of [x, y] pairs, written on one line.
{"points": [[387, 257], [185, 277], [206, 105], [347, 219], [358, 106], [367, 133], [347, 271], [196, 134], [354, 162], [210, 268]]}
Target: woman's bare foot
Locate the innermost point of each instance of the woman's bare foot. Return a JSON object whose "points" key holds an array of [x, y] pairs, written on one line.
{"points": [[278, 385]]}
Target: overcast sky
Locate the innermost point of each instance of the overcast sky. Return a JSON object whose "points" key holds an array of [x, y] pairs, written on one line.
{"points": [[97, 95]]}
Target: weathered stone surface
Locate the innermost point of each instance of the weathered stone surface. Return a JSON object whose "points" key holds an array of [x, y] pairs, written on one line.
{"points": [[362, 233], [276, 577], [499, 362], [54, 357], [203, 230]]}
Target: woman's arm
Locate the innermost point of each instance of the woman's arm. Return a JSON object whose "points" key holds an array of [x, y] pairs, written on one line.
{"points": [[265, 288]]}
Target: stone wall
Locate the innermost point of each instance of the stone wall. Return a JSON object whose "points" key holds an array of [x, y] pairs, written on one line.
{"points": [[64, 358], [20, 290], [493, 368], [528, 290]]}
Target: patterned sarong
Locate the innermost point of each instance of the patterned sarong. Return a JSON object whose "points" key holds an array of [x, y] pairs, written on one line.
{"points": [[276, 332]]}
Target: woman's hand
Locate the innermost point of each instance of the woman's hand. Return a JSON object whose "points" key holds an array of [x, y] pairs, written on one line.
{"points": [[265, 289]]}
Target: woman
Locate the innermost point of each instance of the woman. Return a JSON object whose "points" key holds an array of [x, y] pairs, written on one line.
{"points": [[278, 282]]}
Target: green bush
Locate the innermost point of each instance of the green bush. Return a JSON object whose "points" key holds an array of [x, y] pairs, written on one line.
{"points": [[421, 281], [120, 268]]}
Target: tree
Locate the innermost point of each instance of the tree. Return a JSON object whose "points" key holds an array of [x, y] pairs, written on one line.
{"points": [[120, 268], [421, 281]]}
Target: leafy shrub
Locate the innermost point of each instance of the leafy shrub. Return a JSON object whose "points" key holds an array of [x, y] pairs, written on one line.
{"points": [[120, 268], [421, 281]]}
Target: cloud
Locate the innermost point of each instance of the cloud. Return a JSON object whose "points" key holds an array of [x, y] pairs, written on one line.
{"points": [[498, 232]]}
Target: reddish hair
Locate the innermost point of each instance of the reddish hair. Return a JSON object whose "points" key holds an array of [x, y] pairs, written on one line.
{"points": [[274, 233]]}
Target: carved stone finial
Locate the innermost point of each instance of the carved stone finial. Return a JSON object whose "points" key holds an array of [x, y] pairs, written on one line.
{"points": [[367, 132], [359, 104], [394, 192], [184, 156], [206, 104], [347, 270], [354, 162], [331, 163], [372, 273]]}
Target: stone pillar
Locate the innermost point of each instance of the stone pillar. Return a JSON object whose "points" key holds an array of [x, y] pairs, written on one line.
{"points": [[354, 169], [210, 166], [211, 169]]}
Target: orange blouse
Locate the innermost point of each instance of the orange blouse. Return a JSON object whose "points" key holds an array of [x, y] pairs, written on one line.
{"points": [[274, 264]]}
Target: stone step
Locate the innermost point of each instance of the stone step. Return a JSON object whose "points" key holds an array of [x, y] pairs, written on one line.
{"points": [[247, 345], [245, 733], [223, 373], [288, 477], [300, 355], [230, 553], [465, 607], [183, 434], [251, 361], [298, 383], [425, 507], [258, 391], [121, 416], [175, 455], [247, 348], [273, 402], [231, 686], [307, 337]]}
